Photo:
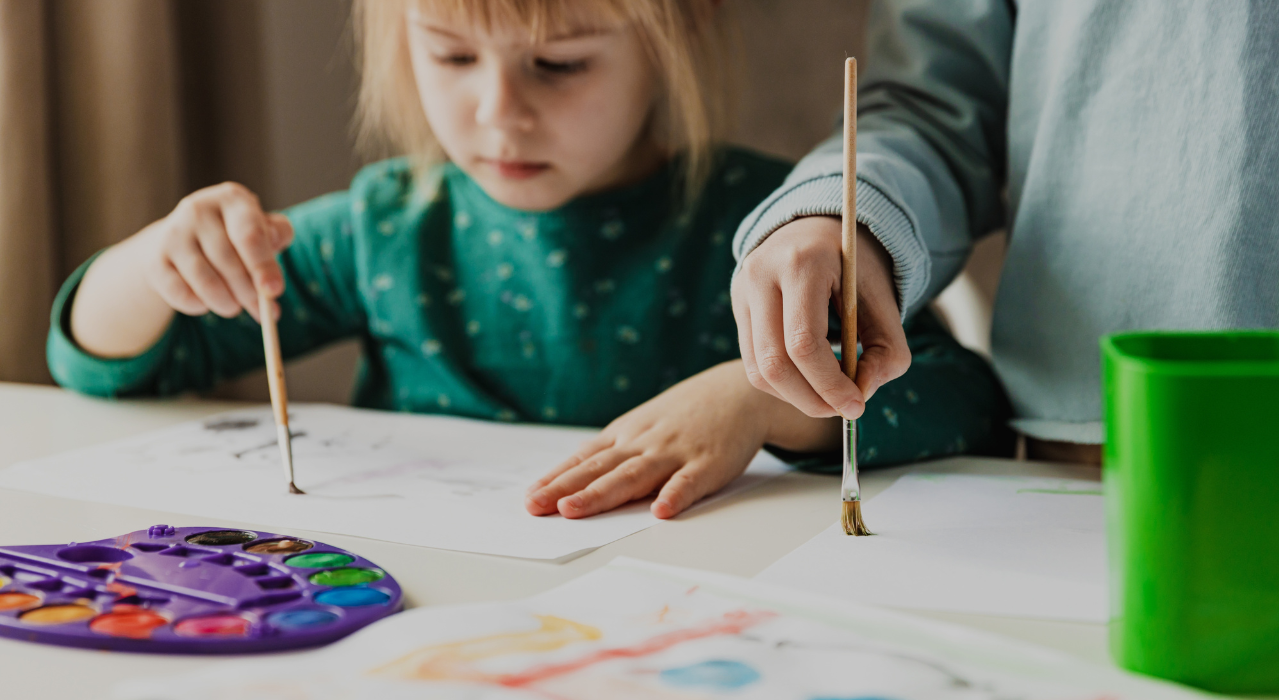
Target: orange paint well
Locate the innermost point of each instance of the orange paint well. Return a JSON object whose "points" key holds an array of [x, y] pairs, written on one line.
{"points": [[18, 601], [128, 621]]}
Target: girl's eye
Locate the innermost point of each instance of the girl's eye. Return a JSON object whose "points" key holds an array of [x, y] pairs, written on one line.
{"points": [[560, 67], [456, 59]]}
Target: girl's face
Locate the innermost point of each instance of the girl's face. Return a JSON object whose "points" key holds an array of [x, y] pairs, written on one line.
{"points": [[536, 124]]}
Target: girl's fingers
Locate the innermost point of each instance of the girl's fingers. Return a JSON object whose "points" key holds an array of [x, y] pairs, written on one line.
{"points": [[175, 292], [221, 254], [575, 479], [253, 237], [282, 229], [588, 448], [686, 487], [203, 279], [635, 478]]}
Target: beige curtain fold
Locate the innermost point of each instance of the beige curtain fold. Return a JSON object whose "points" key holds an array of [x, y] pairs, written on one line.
{"points": [[111, 111], [27, 264]]}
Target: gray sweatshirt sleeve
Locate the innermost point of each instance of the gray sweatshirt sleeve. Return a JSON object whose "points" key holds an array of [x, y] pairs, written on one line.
{"points": [[930, 143]]}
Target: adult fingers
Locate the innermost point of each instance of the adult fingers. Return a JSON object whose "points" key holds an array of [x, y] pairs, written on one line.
{"points": [[632, 479], [580, 476], [885, 357], [253, 237], [174, 290], [686, 487], [804, 312], [196, 271], [742, 315], [773, 362], [217, 248]]}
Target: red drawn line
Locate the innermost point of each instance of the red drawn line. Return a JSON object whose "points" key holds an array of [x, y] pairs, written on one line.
{"points": [[732, 623]]}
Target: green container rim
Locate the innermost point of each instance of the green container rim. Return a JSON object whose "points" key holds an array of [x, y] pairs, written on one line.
{"points": [[1112, 348]]}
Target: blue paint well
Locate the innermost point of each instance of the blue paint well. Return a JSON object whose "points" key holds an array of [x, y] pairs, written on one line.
{"points": [[352, 597], [301, 619], [717, 674]]}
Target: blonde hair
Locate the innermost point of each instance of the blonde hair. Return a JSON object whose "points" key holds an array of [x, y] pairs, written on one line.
{"points": [[688, 42]]}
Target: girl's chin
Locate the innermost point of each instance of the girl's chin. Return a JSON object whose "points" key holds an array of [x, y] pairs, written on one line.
{"points": [[527, 195]]}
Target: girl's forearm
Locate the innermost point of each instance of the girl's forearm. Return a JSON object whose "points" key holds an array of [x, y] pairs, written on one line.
{"points": [[116, 312], [790, 429], [780, 423]]}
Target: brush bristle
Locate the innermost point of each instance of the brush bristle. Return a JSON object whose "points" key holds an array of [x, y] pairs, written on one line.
{"points": [[852, 520]]}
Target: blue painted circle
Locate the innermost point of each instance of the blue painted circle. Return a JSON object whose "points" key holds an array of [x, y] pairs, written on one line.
{"points": [[301, 619], [352, 597], [717, 674]]}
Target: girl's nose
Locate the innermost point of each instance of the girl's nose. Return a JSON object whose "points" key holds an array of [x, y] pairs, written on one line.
{"points": [[502, 104]]}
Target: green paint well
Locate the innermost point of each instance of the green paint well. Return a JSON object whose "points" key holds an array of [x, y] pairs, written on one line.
{"points": [[319, 560], [346, 577]]}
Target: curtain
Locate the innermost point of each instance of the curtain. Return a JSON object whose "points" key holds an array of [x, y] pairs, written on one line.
{"points": [[110, 111]]}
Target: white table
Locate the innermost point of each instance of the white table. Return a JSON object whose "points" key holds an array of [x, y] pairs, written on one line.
{"points": [[741, 535]]}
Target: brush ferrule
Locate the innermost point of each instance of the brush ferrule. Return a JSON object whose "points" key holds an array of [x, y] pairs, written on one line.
{"points": [[851, 489], [286, 451]]}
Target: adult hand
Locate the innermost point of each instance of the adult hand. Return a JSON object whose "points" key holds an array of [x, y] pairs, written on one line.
{"points": [[781, 298]]}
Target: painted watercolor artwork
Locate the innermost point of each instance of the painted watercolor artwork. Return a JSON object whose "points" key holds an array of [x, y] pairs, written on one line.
{"points": [[633, 630], [433, 481], [1017, 546]]}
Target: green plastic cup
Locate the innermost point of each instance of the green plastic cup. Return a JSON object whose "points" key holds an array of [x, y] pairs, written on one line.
{"points": [[1191, 470]]}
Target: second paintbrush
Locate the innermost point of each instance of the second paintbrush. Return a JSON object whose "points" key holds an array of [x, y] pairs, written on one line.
{"points": [[850, 489]]}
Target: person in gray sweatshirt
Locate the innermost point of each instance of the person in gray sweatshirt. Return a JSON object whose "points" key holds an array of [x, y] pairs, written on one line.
{"points": [[1130, 149]]}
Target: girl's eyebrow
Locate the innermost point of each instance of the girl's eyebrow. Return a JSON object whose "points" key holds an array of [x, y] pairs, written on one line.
{"points": [[570, 34]]}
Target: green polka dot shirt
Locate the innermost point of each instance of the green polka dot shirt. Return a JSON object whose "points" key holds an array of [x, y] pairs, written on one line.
{"points": [[468, 307]]}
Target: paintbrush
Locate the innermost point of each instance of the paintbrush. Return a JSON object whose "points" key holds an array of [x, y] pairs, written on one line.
{"points": [[850, 489], [275, 380]]}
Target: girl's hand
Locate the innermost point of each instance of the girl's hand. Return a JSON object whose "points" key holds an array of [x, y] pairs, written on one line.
{"points": [[215, 251], [212, 253], [689, 441]]}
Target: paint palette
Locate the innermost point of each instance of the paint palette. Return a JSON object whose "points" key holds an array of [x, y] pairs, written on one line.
{"points": [[190, 590]]}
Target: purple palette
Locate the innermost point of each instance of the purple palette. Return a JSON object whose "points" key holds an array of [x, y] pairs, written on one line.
{"points": [[191, 590]]}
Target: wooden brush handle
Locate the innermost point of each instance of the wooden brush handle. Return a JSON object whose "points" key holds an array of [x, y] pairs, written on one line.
{"points": [[274, 362], [848, 280]]}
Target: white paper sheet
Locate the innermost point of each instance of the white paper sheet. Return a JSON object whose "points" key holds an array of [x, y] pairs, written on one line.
{"points": [[433, 481], [1011, 546], [635, 631]]}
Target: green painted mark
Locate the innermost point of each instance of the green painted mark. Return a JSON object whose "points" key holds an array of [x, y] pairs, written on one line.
{"points": [[1064, 492], [319, 560], [346, 577]]}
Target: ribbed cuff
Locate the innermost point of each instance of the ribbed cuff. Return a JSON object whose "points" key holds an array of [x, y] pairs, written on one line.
{"points": [[76, 369], [824, 196]]}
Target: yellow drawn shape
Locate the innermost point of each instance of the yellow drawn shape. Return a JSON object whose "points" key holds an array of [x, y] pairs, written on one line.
{"points": [[453, 660], [4, 581]]}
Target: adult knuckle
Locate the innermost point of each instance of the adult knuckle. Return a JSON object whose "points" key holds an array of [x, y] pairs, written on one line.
{"points": [[802, 343], [772, 366]]}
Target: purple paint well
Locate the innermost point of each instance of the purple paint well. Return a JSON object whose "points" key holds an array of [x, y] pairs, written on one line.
{"points": [[187, 590]]}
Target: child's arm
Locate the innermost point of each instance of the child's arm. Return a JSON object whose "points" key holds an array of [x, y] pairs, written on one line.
{"points": [[689, 441], [115, 333], [211, 253]]}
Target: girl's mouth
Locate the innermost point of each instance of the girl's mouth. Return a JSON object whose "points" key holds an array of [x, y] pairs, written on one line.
{"points": [[516, 169]]}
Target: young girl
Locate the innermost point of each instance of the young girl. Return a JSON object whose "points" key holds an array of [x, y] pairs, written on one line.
{"points": [[555, 248]]}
